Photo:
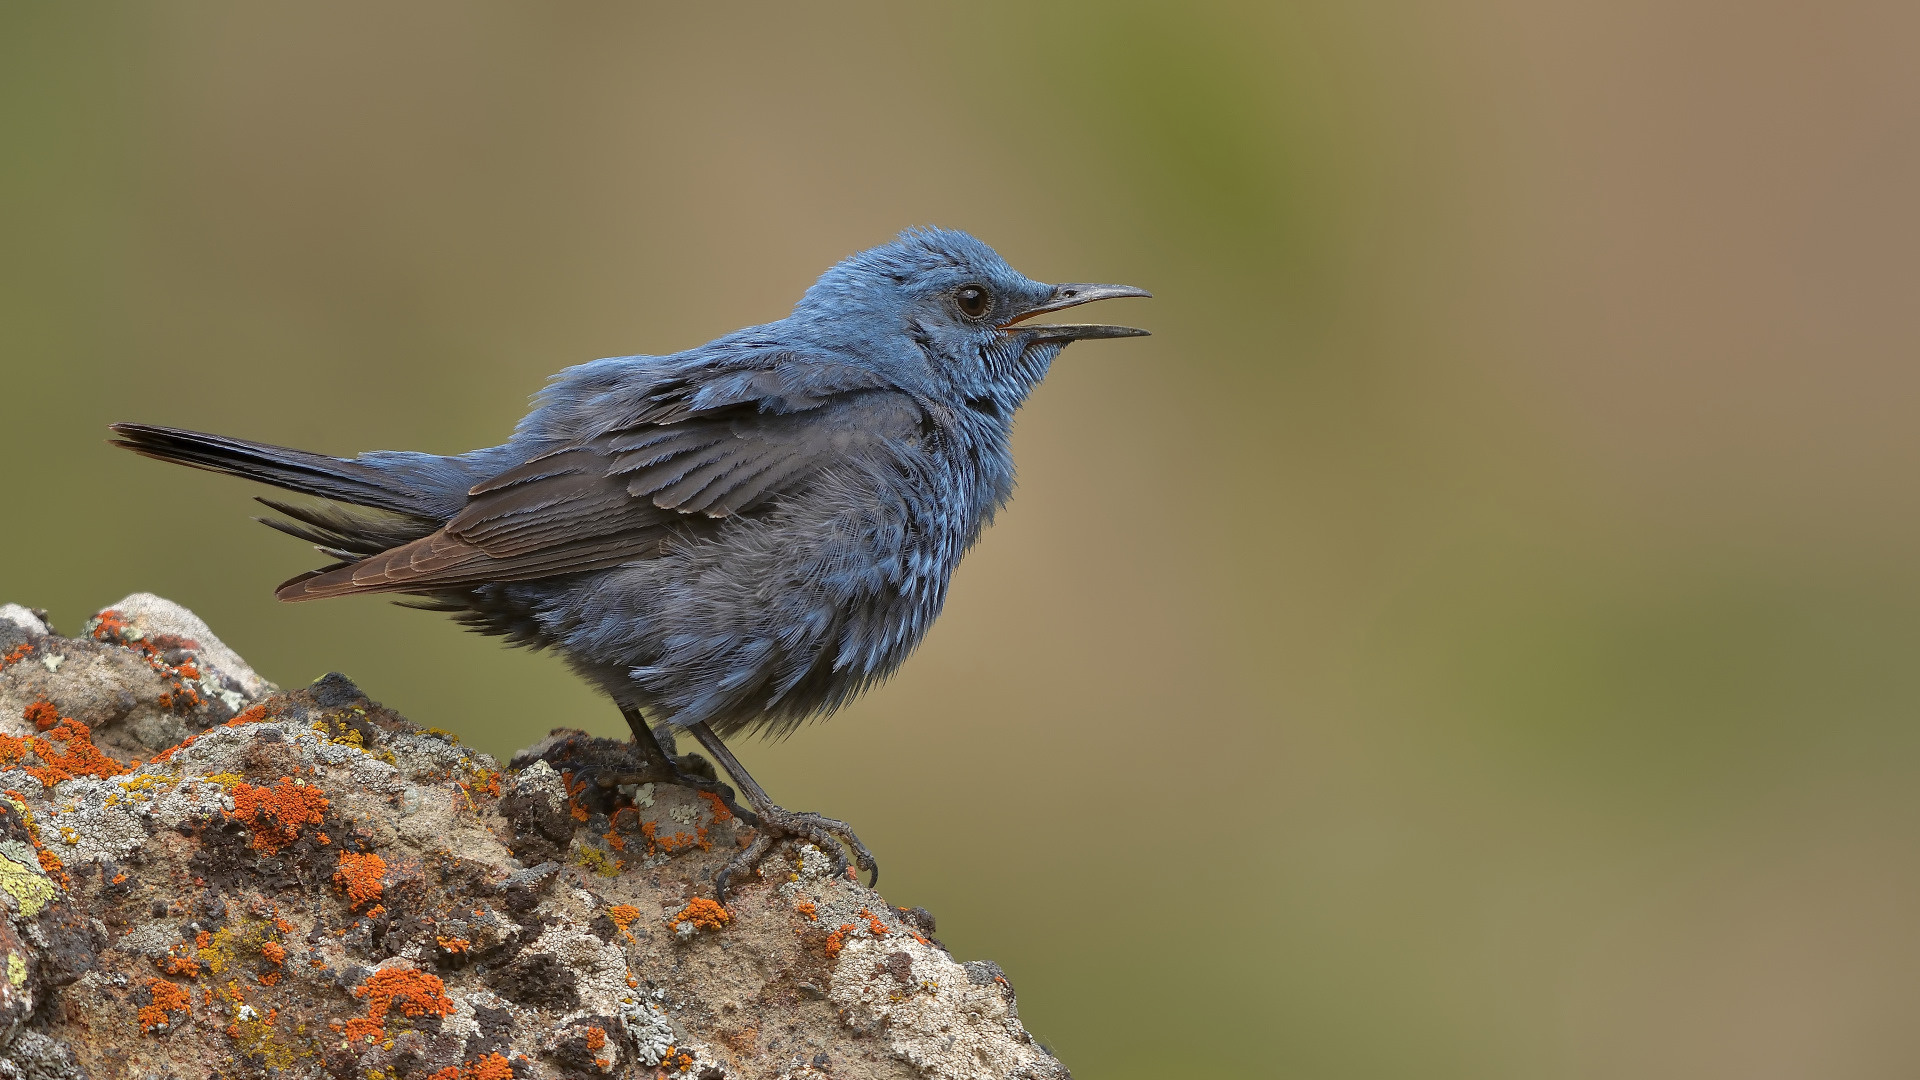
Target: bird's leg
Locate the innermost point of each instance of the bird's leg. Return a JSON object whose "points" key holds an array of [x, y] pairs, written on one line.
{"points": [[658, 766], [777, 822], [668, 737]]}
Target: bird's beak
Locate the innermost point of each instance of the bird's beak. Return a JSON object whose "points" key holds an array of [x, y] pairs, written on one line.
{"points": [[1066, 296]]}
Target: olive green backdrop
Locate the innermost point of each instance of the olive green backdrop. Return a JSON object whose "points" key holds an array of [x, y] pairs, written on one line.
{"points": [[1474, 637]]}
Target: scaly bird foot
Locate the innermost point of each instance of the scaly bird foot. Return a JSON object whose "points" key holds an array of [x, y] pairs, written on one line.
{"points": [[776, 824]]}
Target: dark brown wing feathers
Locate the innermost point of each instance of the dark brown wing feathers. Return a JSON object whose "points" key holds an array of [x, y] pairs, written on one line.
{"points": [[615, 499]]}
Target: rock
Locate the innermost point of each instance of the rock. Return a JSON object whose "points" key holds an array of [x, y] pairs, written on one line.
{"points": [[145, 616], [146, 674], [18, 624], [304, 884]]}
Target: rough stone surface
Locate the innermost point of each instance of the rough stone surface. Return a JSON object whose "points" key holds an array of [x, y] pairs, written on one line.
{"points": [[146, 674], [304, 884]]}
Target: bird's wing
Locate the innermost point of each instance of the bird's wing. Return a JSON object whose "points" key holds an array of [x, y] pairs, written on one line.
{"points": [[618, 495]]}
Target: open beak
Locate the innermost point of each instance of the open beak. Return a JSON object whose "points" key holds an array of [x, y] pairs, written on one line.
{"points": [[1066, 296]]}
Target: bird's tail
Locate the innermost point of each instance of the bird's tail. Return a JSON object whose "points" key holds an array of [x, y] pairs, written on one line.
{"points": [[296, 470]]}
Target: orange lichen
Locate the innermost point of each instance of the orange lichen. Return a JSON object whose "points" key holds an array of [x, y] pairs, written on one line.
{"points": [[874, 925], [676, 843], [838, 939], [573, 789], [43, 715], [623, 916], [79, 758], [486, 782], [676, 1060], [111, 627], [805, 907], [49, 862], [376, 911], [18, 654], [596, 1038], [167, 997], [453, 944], [717, 805], [413, 993], [275, 953], [359, 875], [703, 913], [270, 978], [491, 1067], [252, 715], [167, 754], [179, 965], [202, 940], [277, 813]]}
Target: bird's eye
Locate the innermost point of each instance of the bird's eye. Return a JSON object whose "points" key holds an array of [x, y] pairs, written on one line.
{"points": [[974, 300]]}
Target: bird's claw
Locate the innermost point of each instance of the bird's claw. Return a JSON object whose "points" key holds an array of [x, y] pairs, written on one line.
{"points": [[827, 834]]}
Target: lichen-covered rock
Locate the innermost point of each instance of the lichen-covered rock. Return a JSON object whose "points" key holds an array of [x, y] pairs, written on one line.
{"points": [[304, 884], [146, 674]]}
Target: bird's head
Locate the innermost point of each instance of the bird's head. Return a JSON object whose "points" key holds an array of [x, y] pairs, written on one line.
{"points": [[940, 311]]}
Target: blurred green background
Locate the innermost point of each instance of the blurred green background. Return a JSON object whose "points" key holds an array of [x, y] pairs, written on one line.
{"points": [[1474, 637]]}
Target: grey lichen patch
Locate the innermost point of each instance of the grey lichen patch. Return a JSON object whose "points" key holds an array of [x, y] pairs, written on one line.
{"points": [[34, 1056], [647, 1029]]}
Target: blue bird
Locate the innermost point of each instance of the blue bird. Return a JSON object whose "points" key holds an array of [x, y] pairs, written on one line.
{"points": [[734, 538]]}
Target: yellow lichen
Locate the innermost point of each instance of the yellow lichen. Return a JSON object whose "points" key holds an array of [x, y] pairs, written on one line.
{"points": [[147, 781], [596, 860], [218, 949], [28, 887], [215, 950], [343, 733], [255, 1038], [16, 969]]}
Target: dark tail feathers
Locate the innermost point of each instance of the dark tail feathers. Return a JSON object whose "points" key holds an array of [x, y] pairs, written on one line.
{"points": [[295, 470]]}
